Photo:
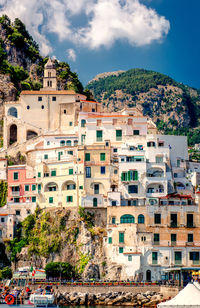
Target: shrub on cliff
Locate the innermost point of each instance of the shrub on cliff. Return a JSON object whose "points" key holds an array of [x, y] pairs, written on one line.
{"points": [[59, 269]]}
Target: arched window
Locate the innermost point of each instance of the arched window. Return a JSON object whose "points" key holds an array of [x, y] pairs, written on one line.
{"points": [[62, 143], [69, 143], [75, 142], [141, 219], [12, 112], [83, 123], [95, 202], [151, 144], [127, 219]]}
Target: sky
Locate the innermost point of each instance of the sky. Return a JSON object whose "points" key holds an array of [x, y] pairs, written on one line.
{"points": [[96, 36]]}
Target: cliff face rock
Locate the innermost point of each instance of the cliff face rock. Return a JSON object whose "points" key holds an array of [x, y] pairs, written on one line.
{"points": [[72, 238], [8, 91]]}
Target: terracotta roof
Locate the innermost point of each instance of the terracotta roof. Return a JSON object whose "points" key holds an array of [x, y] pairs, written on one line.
{"points": [[58, 92], [85, 101], [3, 214]]}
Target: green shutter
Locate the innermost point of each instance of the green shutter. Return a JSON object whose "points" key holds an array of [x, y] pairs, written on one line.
{"points": [[135, 175], [34, 199], [26, 187], [129, 175], [71, 171], [39, 174], [121, 237], [118, 134], [33, 187], [50, 199], [87, 156], [110, 240], [121, 249], [102, 156], [99, 135], [15, 176], [53, 173]]}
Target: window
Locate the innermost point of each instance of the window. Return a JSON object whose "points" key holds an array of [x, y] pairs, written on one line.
{"points": [[48, 142], [39, 188], [33, 199], [15, 175], [88, 172], [53, 172], [190, 238], [110, 240], [2, 219], [113, 220], [46, 174], [121, 237], [132, 175], [50, 199], [39, 98], [190, 222], [115, 150], [194, 256], [154, 257], [71, 171], [118, 135], [159, 159], [45, 156], [62, 143], [178, 162], [99, 135], [141, 219], [157, 218], [115, 171], [42, 106], [70, 123], [93, 110], [54, 98], [121, 249], [156, 238], [17, 212], [71, 186], [173, 238], [65, 111], [81, 187], [178, 257], [129, 258], [69, 198], [26, 187], [16, 200], [102, 156], [127, 219], [173, 219], [103, 170], [28, 107], [87, 156], [114, 203], [124, 176], [96, 189], [132, 189], [136, 132], [151, 144], [68, 143], [82, 139], [83, 123], [94, 202]]}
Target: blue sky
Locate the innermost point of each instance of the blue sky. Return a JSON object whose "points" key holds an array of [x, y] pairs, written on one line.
{"points": [[96, 36]]}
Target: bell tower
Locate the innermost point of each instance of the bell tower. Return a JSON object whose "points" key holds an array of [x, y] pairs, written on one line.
{"points": [[49, 80]]}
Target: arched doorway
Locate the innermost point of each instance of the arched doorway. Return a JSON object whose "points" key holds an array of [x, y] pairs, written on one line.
{"points": [[30, 134], [148, 275], [13, 133]]}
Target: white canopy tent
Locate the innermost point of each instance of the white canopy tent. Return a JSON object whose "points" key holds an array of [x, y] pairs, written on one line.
{"points": [[188, 297]]}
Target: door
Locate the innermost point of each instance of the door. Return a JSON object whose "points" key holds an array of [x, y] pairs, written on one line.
{"points": [[148, 275]]}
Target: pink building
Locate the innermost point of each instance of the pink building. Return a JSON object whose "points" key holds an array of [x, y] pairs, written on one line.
{"points": [[21, 190]]}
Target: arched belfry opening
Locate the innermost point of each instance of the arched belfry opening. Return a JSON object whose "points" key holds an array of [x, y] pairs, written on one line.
{"points": [[30, 134], [13, 134], [12, 111]]}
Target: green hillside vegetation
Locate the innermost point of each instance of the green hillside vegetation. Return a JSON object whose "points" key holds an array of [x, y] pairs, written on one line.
{"points": [[174, 107], [18, 37]]}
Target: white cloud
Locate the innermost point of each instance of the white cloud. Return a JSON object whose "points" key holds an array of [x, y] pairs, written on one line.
{"points": [[105, 21], [71, 54]]}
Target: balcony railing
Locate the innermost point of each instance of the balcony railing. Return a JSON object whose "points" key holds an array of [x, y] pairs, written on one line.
{"points": [[154, 262], [173, 225], [190, 225], [156, 242], [178, 262], [173, 243], [15, 193], [196, 262]]}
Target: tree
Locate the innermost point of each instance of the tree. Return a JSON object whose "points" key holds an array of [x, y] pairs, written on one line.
{"points": [[57, 269]]}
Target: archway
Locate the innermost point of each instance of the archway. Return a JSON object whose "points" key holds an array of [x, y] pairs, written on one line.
{"points": [[13, 133], [30, 134], [12, 111], [148, 275]]}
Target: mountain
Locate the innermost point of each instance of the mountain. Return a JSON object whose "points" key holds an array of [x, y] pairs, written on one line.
{"points": [[173, 106], [21, 65]]}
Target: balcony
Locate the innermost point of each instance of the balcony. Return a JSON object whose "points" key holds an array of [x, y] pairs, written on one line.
{"points": [[195, 262], [154, 262], [189, 243], [173, 225], [15, 193], [156, 243], [190, 225], [173, 243], [178, 262]]}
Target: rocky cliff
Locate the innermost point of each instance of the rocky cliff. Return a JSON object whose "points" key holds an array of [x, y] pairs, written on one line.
{"points": [[174, 107]]}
